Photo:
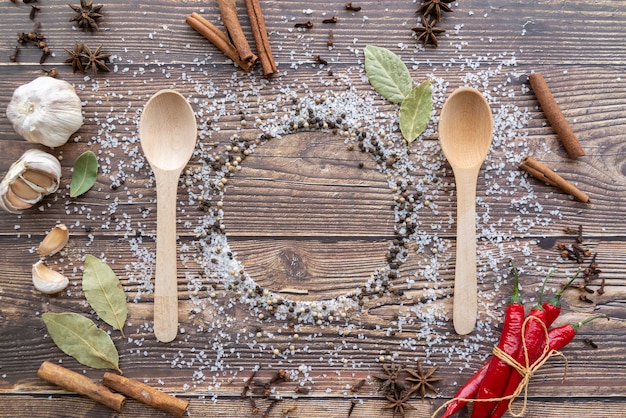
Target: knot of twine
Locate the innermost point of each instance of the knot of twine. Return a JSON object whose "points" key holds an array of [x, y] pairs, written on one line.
{"points": [[526, 370]]}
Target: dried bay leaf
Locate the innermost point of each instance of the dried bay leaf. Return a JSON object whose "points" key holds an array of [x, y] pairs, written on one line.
{"points": [[79, 337], [104, 292], [84, 174], [416, 111], [387, 73]]}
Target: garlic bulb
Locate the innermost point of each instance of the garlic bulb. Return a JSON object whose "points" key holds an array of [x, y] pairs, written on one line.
{"points": [[35, 175], [45, 111], [47, 280]]}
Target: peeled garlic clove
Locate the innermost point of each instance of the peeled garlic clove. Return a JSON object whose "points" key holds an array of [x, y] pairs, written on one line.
{"points": [[54, 242], [45, 111], [29, 179], [47, 280]]}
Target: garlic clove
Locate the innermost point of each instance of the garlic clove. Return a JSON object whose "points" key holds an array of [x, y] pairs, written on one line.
{"points": [[15, 202], [35, 170], [23, 190], [39, 180], [45, 111], [54, 242], [47, 280]]}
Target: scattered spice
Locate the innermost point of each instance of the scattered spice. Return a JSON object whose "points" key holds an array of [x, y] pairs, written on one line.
{"points": [[259, 32], [33, 11], [87, 15], [422, 380], [218, 38], [427, 33], [389, 382], [95, 60], [542, 172], [228, 11], [331, 39], [82, 58], [353, 403], [554, 115], [330, 20], [589, 342], [78, 383], [319, 59], [434, 8], [398, 401], [36, 38], [357, 386], [307, 25], [146, 394], [269, 408], [352, 8]]}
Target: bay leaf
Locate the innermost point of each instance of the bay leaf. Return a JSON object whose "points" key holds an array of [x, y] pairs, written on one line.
{"points": [[79, 337], [416, 111], [104, 292], [387, 73], [84, 174]]}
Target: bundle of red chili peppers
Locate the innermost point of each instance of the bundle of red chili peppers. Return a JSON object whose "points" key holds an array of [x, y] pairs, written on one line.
{"points": [[528, 341]]}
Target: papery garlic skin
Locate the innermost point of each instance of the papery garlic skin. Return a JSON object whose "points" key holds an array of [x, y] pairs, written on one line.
{"points": [[33, 176], [46, 111], [47, 280]]}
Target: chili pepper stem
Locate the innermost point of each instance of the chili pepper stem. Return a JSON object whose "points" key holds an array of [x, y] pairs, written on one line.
{"points": [[543, 285], [577, 325]]}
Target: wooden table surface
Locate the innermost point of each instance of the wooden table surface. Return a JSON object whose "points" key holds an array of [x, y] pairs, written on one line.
{"points": [[308, 260]]}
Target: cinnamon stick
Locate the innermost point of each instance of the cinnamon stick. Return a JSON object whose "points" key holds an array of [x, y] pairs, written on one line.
{"points": [[78, 383], [543, 173], [146, 394], [554, 115], [228, 10], [218, 38], [259, 32]]}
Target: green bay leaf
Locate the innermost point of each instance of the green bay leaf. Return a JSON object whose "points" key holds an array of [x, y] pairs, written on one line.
{"points": [[79, 337], [84, 174], [416, 111], [104, 292], [387, 73]]}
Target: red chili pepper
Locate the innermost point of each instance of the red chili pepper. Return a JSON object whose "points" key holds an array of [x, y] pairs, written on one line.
{"points": [[468, 390], [534, 335], [553, 306], [559, 337], [563, 335], [499, 371]]}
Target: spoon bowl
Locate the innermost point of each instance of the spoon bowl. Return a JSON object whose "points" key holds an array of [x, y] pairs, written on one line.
{"points": [[465, 133], [168, 133]]}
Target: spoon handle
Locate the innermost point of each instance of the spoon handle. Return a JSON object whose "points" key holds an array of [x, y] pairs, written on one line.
{"points": [[165, 277], [465, 303]]}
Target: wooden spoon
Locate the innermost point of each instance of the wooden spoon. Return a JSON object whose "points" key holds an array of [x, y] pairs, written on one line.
{"points": [[465, 132], [168, 134]]}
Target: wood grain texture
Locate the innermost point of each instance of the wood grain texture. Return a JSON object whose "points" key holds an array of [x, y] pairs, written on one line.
{"points": [[303, 214]]}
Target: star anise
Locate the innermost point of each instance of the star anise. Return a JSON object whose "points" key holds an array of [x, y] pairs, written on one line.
{"points": [[95, 60], [427, 32], [434, 8], [399, 401], [75, 57], [388, 382], [422, 380], [87, 15]]}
